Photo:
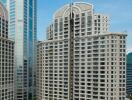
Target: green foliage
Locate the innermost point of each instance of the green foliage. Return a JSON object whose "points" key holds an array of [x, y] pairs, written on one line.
{"points": [[131, 98]]}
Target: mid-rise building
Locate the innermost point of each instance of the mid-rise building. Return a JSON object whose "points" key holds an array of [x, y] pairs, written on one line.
{"points": [[81, 59], [6, 58], [22, 29], [129, 74]]}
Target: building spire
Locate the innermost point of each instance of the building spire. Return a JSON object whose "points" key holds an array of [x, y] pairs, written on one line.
{"points": [[71, 10]]}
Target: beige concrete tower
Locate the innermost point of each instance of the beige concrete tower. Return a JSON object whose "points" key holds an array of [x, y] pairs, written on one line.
{"points": [[6, 58], [81, 59]]}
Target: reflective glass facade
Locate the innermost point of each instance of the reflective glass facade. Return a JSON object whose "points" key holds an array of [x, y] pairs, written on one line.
{"points": [[4, 1], [22, 29], [129, 74]]}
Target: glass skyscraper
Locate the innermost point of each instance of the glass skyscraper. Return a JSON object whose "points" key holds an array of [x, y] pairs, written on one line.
{"points": [[129, 74], [22, 29], [3, 1]]}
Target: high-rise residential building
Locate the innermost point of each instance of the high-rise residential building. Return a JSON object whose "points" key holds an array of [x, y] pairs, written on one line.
{"points": [[81, 59], [129, 74], [22, 29], [6, 58]]}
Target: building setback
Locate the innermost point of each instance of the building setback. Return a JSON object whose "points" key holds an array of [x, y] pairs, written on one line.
{"points": [[81, 59], [22, 29], [6, 58]]}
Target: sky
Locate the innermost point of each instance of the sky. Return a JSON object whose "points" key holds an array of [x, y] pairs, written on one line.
{"points": [[119, 11]]}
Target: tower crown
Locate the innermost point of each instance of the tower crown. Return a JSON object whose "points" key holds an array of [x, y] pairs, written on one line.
{"points": [[77, 7]]}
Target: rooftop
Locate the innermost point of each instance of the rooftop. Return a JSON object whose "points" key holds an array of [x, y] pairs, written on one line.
{"points": [[129, 58], [77, 7]]}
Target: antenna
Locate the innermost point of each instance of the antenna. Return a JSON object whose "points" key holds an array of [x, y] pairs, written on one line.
{"points": [[71, 10], [125, 31], [77, 0]]}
